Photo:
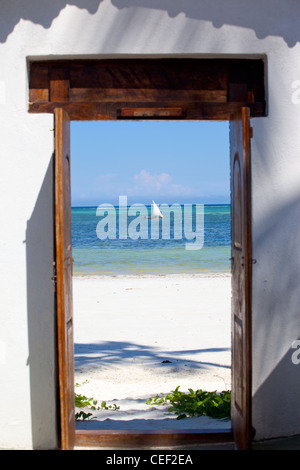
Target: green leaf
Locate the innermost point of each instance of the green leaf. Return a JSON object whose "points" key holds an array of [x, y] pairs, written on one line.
{"points": [[196, 403]]}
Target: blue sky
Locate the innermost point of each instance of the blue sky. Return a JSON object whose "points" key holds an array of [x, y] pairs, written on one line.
{"points": [[164, 161]]}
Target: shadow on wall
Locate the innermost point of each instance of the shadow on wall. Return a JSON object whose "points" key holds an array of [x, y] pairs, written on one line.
{"points": [[276, 405], [41, 318], [39, 12], [281, 20], [276, 402], [221, 13]]}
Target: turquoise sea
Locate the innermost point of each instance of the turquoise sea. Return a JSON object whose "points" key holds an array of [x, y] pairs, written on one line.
{"points": [[140, 252]]}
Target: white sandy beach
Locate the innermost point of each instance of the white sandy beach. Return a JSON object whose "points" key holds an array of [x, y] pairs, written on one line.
{"points": [[136, 337]]}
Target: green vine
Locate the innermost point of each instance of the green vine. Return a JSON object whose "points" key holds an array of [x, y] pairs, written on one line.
{"points": [[81, 401], [195, 403]]}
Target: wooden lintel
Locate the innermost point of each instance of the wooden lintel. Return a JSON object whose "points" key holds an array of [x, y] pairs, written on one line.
{"points": [[96, 90], [112, 111]]}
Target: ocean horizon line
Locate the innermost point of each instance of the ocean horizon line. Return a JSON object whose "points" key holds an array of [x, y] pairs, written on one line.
{"points": [[92, 206], [196, 243]]}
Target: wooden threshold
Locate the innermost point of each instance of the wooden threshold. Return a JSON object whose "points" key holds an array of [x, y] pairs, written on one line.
{"points": [[143, 439]]}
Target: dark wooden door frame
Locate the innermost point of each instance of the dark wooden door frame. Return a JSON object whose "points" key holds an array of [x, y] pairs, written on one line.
{"points": [[64, 273], [182, 89], [241, 270]]}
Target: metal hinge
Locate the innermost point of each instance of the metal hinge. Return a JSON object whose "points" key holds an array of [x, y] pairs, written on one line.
{"points": [[53, 278]]}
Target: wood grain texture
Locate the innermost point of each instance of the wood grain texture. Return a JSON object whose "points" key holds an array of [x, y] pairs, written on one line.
{"points": [[112, 110], [240, 165], [141, 439], [64, 264], [98, 90]]}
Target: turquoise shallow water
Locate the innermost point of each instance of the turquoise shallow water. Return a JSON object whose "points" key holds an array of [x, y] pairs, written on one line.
{"points": [[99, 250]]}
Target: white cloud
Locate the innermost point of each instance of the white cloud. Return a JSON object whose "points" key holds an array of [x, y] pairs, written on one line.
{"points": [[152, 182], [161, 184]]}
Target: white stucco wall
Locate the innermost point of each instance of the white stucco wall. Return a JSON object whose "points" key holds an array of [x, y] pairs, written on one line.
{"points": [[114, 28]]}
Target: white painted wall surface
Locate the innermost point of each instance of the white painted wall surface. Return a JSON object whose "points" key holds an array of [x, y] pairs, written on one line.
{"points": [[115, 28]]}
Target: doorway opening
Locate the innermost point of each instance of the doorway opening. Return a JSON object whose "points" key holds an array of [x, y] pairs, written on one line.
{"points": [[152, 304], [231, 90]]}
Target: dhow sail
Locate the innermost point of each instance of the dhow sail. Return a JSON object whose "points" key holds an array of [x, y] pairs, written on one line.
{"points": [[155, 211]]}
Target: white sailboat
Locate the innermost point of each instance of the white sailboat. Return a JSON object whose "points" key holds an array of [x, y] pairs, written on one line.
{"points": [[156, 211]]}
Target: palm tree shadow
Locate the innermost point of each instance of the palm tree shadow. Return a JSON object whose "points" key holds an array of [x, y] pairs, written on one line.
{"points": [[116, 353]]}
